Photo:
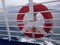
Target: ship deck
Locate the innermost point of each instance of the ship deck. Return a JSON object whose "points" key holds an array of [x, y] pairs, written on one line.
{"points": [[6, 42]]}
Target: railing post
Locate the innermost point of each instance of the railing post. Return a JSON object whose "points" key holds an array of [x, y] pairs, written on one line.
{"points": [[6, 19], [31, 10]]}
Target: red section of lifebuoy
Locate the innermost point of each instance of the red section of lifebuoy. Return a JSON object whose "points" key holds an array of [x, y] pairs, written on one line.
{"points": [[37, 8]]}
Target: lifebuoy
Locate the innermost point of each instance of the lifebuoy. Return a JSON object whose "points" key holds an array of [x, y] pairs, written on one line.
{"points": [[37, 8]]}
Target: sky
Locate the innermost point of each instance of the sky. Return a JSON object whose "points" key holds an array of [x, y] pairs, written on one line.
{"points": [[20, 2]]}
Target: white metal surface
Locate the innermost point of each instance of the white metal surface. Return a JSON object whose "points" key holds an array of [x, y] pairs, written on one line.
{"points": [[6, 18]]}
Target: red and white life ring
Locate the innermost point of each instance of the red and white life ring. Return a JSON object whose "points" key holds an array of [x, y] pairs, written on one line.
{"points": [[37, 8]]}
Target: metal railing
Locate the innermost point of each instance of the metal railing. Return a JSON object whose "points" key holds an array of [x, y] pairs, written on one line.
{"points": [[11, 31]]}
